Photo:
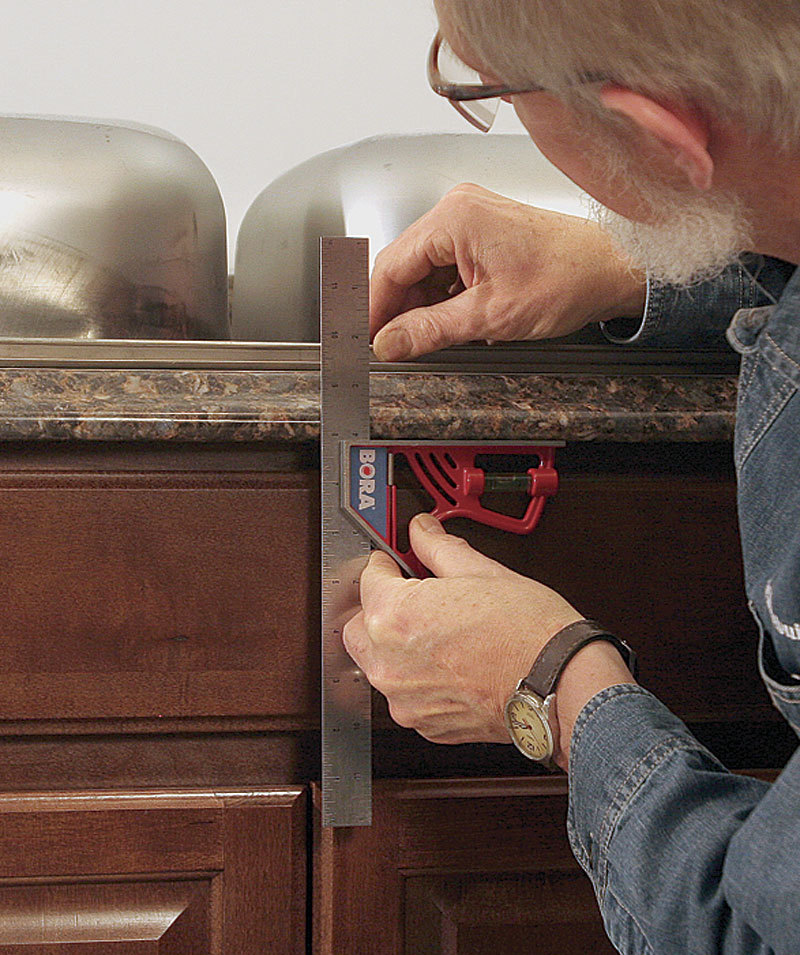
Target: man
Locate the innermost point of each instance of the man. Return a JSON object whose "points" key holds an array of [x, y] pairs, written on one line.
{"points": [[683, 117]]}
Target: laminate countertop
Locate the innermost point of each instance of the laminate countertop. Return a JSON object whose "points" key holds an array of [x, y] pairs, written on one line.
{"points": [[283, 406]]}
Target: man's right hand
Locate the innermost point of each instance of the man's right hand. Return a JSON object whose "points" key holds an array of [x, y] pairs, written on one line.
{"points": [[480, 266]]}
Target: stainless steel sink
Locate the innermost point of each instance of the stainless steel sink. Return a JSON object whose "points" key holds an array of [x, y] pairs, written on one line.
{"points": [[374, 188], [108, 230]]}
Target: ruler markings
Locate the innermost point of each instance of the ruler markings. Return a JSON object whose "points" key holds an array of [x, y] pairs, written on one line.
{"points": [[344, 404]]}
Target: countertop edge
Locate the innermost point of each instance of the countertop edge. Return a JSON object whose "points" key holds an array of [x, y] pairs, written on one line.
{"points": [[283, 407]]}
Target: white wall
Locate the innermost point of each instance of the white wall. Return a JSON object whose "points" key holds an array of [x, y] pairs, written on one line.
{"points": [[253, 86]]}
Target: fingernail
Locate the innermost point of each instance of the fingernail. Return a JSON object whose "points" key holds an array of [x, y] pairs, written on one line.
{"points": [[392, 344], [429, 524]]}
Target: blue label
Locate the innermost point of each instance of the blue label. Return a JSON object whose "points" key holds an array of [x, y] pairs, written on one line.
{"points": [[368, 486]]}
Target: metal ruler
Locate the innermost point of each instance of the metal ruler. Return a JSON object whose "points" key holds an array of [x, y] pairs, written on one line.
{"points": [[344, 403]]}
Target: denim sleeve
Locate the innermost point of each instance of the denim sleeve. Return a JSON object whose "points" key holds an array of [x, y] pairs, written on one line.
{"points": [[698, 316], [685, 857]]}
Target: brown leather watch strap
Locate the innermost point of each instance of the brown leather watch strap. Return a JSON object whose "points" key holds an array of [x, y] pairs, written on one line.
{"points": [[560, 649]]}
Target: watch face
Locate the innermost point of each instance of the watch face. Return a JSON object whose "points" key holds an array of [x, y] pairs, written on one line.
{"points": [[529, 729]]}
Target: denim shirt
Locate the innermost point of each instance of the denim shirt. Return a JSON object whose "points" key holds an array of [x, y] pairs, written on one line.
{"points": [[687, 858]]}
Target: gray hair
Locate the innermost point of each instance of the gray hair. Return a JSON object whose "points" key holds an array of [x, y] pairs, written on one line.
{"points": [[739, 59]]}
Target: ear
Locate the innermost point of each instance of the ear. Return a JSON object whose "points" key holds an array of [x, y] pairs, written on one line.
{"points": [[681, 130]]}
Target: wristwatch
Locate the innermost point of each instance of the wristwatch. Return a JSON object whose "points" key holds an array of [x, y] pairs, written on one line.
{"points": [[527, 710]]}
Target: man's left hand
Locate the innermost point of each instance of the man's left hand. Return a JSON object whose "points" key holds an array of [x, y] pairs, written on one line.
{"points": [[448, 651]]}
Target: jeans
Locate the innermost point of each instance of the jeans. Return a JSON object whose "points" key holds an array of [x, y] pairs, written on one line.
{"points": [[685, 857]]}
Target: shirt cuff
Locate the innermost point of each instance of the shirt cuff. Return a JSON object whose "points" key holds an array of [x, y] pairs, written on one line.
{"points": [[630, 331], [619, 739]]}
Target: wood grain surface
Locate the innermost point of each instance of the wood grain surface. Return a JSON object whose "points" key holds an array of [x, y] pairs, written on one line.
{"points": [[168, 872]]}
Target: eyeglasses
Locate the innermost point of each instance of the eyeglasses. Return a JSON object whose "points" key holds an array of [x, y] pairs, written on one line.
{"points": [[475, 100]]}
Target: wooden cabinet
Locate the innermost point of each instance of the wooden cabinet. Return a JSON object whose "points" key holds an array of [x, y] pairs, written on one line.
{"points": [[184, 873], [465, 867], [159, 705]]}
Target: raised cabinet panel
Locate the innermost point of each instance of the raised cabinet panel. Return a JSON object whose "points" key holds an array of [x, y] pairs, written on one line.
{"points": [[172, 873], [122, 918], [455, 868], [551, 913]]}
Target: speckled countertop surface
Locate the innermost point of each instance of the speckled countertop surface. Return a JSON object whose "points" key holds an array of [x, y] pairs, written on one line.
{"points": [[283, 407]]}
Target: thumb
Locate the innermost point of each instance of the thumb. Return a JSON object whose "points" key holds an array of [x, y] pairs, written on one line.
{"points": [[429, 328], [447, 555]]}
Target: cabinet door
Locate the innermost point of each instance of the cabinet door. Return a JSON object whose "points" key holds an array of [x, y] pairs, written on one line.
{"points": [[468, 867], [124, 873]]}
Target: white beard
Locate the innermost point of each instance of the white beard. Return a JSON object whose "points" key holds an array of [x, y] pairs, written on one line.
{"points": [[691, 236], [694, 239]]}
